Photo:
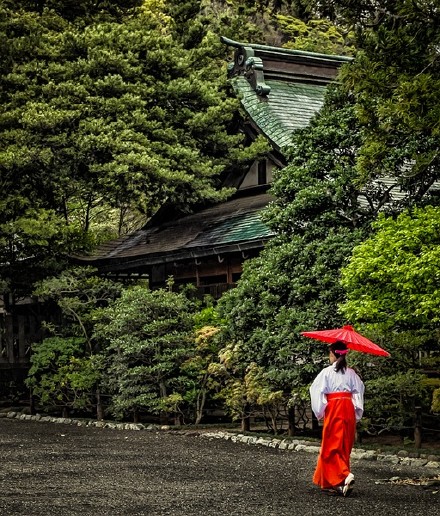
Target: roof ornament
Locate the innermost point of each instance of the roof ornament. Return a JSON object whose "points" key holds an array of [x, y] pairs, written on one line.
{"points": [[254, 74], [251, 67]]}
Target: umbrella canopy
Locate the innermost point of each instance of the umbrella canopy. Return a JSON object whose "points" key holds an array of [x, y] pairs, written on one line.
{"points": [[350, 337]]}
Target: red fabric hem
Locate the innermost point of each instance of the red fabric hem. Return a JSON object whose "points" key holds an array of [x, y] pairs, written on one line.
{"points": [[338, 436]]}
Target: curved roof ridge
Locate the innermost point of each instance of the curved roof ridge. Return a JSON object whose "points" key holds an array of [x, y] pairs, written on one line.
{"points": [[288, 51]]}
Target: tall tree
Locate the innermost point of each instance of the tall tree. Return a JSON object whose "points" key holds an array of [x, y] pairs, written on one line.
{"points": [[293, 24], [395, 80], [294, 284], [392, 291], [149, 335], [65, 366], [105, 115]]}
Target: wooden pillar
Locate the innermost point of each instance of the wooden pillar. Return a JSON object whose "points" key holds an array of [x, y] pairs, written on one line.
{"points": [[291, 420], [418, 427]]}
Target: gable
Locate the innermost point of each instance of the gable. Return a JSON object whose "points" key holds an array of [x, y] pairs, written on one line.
{"points": [[280, 89], [286, 108]]}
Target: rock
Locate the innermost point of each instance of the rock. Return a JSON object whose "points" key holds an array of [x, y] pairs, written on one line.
{"points": [[392, 459], [311, 449], [193, 433], [368, 455], [409, 461]]}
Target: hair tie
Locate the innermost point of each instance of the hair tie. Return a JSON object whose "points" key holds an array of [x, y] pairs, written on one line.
{"points": [[340, 351]]}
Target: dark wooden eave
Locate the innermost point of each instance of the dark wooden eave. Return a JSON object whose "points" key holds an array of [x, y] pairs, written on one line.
{"points": [[229, 227]]}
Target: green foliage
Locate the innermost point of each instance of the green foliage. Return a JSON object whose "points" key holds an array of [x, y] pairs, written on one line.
{"points": [[391, 401], [208, 316], [246, 389], [61, 376], [435, 407], [81, 295], [149, 336], [392, 277], [73, 9], [199, 383], [294, 284], [395, 80], [280, 23], [66, 369], [320, 36], [200, 23], [391, 285], [104, 119], [37, 239], [232, 371], [144, 125]]}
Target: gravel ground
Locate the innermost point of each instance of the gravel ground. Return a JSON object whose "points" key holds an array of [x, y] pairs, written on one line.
{"points": [[50, 469]]}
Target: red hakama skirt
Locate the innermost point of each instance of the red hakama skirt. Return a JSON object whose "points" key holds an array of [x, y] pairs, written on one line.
{"points": [[338, 436]]}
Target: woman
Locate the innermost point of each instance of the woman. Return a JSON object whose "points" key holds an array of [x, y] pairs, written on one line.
{"points": [[337, 394]]}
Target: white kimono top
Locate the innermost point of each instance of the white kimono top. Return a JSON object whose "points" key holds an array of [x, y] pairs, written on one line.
{"points": [[328, 380]]}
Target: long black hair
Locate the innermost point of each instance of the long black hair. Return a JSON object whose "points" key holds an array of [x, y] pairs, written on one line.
{"points": [[339, 349]]}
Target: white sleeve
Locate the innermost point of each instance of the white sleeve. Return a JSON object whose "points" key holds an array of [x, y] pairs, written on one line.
{"points": [[358, 396], [317, 396]]}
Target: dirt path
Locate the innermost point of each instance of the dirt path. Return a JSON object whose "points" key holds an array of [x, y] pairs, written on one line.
{"points": [[49, 469]]}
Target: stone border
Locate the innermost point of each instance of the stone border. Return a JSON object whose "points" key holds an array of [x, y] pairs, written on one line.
{"points": [[82, 422], [403, 457]]}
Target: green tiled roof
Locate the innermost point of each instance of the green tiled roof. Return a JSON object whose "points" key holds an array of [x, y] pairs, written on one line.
{"points": [[288, 107], [243, 227], [235, 223]]}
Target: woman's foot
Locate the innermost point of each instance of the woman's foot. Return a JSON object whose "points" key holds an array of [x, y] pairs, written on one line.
{"points": [[348, 485]]}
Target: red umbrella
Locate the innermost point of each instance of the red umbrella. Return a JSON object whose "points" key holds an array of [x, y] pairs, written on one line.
{"points": [[351, 338]]}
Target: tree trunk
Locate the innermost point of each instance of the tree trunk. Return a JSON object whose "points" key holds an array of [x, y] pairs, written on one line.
{"points": [[245, 419], [201, 398], [31, 404], [291, 421], [65, 412], [245, 424], [274, 424], [163, 417], [418, 427], [99, 407]]}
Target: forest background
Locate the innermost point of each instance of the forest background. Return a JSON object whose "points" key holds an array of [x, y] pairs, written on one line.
{"points": [[109, 109]]}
